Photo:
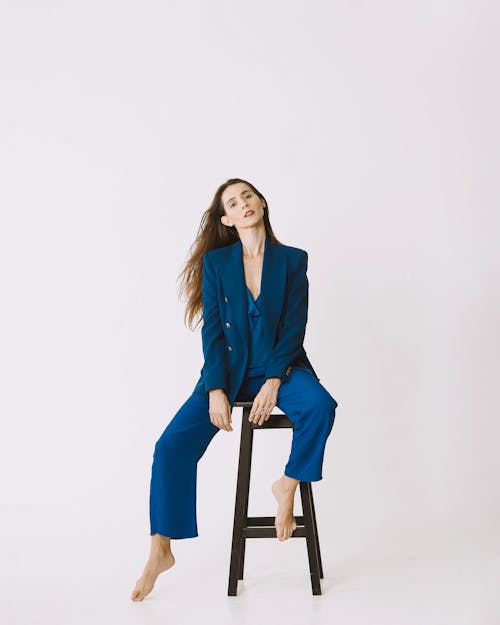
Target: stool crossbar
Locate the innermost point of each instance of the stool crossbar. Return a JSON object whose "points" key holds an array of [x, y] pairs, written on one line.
{"points": [[263, 526]]}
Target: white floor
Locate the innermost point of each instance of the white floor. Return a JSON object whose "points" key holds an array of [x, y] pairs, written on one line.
{"points": [[445, 577]]}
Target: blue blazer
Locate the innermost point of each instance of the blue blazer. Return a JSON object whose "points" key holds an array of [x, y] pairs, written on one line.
{"points": [[225, 330]]}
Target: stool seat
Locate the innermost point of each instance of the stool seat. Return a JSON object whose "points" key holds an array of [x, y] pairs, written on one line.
{"points": [[263, 526]]}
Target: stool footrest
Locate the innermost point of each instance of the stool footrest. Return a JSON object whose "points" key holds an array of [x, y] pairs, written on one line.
{"points": [[263, 527], [269, 520], [270, 532]]}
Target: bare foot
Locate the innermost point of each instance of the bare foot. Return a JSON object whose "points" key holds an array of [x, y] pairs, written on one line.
{"points": [[284, 491], [161, 558]]}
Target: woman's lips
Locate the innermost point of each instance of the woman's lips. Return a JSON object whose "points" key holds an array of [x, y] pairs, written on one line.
{"points": [[248, 213]]}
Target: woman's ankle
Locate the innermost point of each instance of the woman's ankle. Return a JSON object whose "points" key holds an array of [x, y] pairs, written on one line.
{"points": [[160, 543]]}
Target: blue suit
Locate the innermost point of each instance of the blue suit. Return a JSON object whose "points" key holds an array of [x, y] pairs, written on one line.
{"points": [[227, 340], [225, 330]]}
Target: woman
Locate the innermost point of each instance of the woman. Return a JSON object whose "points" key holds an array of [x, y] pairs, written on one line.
{"points": [[253, 294]]}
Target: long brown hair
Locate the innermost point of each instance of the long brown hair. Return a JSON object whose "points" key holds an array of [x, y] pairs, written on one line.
{"points": [[212, 234]]}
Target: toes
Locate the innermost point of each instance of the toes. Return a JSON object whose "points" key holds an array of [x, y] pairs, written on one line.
{"points": [[283, 532]]}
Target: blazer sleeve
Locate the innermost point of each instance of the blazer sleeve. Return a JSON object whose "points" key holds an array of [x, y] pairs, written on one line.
{"points": [[214, 370], [293, 330]]}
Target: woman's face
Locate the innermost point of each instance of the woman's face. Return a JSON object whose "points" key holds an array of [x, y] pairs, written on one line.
{"points": [[238, 199]]}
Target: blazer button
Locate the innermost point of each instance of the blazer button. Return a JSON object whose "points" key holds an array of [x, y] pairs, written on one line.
{"points": [[228, 325], [225, 299], [230, 348]]}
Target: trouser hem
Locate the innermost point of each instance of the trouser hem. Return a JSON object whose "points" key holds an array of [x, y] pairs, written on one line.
{"points": [[304, 478], [173, 535]]}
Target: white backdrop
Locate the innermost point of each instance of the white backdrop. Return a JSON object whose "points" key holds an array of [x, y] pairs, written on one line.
{"points": [[372, 129]]}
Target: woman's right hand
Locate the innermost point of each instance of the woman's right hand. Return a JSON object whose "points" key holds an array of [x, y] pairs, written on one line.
{"points": [[220, 409]]}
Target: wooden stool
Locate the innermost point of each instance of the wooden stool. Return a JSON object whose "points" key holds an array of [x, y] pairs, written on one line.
{"points": [[263, 527]]}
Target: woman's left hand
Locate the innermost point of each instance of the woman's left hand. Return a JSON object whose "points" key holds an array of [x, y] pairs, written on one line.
{"points": [[265, 401]]}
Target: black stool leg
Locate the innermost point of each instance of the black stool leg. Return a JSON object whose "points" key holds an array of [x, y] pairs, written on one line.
{"points": [[312, 551], [316, 536], [241, 505], [243, 544], [246, 490]]}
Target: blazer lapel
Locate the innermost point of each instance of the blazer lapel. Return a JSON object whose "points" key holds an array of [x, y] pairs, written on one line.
{"points": [[273, 285]]}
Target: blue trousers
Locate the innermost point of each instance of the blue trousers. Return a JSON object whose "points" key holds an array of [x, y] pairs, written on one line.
{"points": [[172, 503]]}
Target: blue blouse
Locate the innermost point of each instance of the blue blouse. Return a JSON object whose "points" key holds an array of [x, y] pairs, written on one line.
{"points": [[259, 351]]}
